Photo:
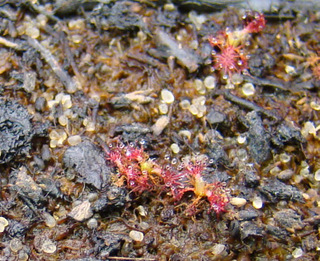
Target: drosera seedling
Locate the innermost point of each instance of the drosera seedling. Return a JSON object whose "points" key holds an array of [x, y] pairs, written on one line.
{"points": [[140, 173], [229, 54]]}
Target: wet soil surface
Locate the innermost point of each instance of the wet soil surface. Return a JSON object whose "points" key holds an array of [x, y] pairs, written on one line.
{"points": [[158, 130]]}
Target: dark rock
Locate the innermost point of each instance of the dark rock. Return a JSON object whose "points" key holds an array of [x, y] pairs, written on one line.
{"points": [[289, 220], [50, 187], [167, 213], [251, 179], [16, 229], [250, 229], [122, 17], [45, 153], [89, 162], [15, 130], [115, 197], [278, 233], [133, 133], [276, 190], [258, 139], [287, 134], [26, 186], [215, 117], [248, 214], [40, 104], [110, 243], [310, 242]]}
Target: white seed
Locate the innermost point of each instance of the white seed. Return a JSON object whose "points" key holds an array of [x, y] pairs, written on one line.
{"points": [[163, 108], [315, 105], [66, 102], [248, 89], [175, 148], [193, 109], [298, 252], [160, 124], [185, 133], [136, 235], [3, 224], [210, 82], [48, 247], [238, 202], [308, 128], [167, 96], [76, 38], [290, 70], [77, 24], [92, 223], [317, 175], [218, 249], [184, 104], [241, 139], [169, 7], [257, 203], [49, 220], [236, 79], [63, 120], [15, 245], [199, 101], [32, 31], [142, 211], [74, 140], [285, 158]]}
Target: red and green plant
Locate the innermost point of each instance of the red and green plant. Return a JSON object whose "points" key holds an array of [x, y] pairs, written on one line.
{"points": [[228, 53], [142, 174]]}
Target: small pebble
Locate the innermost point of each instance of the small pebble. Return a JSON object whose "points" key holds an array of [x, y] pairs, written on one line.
{"points": [[257, 203], [82, 211], [136, 235], [290, 70], [298, 252], [167, 96]]}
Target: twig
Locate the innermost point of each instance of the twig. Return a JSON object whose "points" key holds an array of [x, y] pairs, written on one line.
{"points": [[67, 81], [7, 43], [250, 105]]}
